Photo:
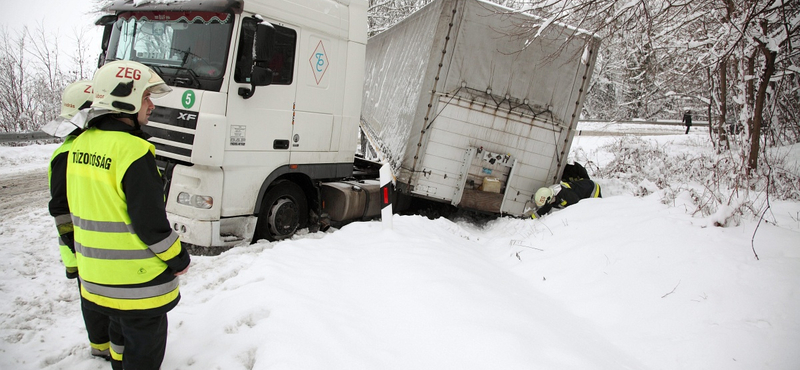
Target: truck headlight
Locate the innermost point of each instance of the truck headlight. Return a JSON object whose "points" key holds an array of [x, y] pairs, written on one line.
{"points": [[197, 201]]}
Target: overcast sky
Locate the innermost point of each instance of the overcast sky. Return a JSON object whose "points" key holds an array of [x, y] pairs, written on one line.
{"points": [[64, 18], [62, 15]]}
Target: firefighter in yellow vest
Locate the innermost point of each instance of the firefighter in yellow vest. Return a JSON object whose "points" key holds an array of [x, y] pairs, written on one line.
{"points": [[75, 97], [129, 257]]}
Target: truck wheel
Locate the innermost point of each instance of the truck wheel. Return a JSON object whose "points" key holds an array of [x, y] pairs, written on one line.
{"points": [[283, 211]]}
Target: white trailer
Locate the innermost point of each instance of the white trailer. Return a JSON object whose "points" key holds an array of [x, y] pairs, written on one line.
{"points": [[470, 108]]}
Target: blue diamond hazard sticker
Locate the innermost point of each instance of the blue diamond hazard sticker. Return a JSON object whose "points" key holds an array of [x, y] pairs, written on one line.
{"points": [[319, 62]]}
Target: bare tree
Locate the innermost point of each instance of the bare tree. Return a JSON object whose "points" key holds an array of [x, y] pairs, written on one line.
{"points": [[33, 75], [13, 104], [385, 13], [83, 66], [48, 79], [669, 48]]}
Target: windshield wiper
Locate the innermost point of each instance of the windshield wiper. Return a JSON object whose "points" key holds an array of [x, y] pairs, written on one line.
{"points": [[179, 77]]}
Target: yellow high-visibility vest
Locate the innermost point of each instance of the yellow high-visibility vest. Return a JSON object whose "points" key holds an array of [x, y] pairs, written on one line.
{"points": [[109, 253], [67, 257]]}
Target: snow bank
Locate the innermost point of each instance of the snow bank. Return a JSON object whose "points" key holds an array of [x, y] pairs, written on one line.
{"points": [[621, 282]]}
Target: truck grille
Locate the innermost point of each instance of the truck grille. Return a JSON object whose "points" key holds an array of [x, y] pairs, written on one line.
{"points": [[172, 132]]}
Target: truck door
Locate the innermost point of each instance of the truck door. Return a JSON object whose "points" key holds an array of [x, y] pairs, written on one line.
{"points": [[320, 93], [262, 124]]}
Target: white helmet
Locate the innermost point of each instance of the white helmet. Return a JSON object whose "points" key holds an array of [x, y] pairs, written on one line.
{"points": [[120, 85], [542, 196], [76, 96]]}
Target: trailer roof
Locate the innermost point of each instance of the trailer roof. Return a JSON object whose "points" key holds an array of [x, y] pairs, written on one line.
{"points": [[546, 22]]}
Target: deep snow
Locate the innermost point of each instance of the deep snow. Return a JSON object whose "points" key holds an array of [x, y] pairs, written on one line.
{"points": [[621, 282]]}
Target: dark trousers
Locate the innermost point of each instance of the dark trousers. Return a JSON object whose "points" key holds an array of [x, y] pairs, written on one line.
{"points": [[96, 325], [142, 342]]}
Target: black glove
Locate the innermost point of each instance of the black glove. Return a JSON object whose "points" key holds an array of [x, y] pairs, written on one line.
{"points": [[69, 240], [72, 272]]}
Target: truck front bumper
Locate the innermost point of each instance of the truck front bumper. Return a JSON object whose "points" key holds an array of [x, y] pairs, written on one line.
{"points": [[227, 232]]}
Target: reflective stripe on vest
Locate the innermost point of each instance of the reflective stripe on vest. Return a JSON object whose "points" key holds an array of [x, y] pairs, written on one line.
{"points": [[131, 293], [121, 227], [102, 226], [127, 299], [112, 254]]}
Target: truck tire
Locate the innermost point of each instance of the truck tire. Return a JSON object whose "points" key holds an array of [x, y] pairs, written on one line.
{"points": [[284, 210]]}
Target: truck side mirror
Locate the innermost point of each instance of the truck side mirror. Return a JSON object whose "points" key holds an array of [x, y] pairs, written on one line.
{"points": [[107, 21], [261, 75]]}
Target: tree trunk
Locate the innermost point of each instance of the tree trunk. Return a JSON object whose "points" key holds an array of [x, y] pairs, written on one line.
{"points": [[710, 77], [723, 104], [758, 110]]}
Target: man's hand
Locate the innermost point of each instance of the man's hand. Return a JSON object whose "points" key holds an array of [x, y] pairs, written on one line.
{"points": [[182, 272], [72, 272]]}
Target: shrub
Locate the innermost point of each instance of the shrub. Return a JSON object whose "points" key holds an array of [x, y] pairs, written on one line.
{"points": [[707, 184]]}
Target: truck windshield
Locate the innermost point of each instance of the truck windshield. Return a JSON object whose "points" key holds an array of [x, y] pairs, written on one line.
{"points": [[187, 49]]}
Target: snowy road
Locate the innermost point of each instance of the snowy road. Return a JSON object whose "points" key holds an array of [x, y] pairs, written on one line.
{"points": [[21, 190], [653, 132], [640, 129]]}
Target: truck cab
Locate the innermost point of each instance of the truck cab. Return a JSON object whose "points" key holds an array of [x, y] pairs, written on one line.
{"points": [[265, 105]]}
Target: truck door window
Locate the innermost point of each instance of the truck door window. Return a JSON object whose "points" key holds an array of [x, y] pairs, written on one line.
{"points": [[281, 54]]}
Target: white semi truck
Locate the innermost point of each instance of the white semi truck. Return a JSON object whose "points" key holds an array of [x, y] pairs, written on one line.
{"points": [[258, 137]]}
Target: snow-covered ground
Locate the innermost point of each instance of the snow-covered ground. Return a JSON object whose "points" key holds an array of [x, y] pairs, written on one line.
{"points": [[621, 282]]}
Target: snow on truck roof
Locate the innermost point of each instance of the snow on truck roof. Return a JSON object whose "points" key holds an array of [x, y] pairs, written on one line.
{"points": [[234, 6]]}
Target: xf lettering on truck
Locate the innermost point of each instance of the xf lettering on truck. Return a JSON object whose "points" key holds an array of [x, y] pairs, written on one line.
{"points": [[185, 116]]}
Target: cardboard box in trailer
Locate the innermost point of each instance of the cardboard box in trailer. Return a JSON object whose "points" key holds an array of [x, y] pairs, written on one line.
{"points": [[470, 107]]}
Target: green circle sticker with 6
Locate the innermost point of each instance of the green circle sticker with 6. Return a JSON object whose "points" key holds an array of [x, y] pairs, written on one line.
{"points": [[188, 99]]}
